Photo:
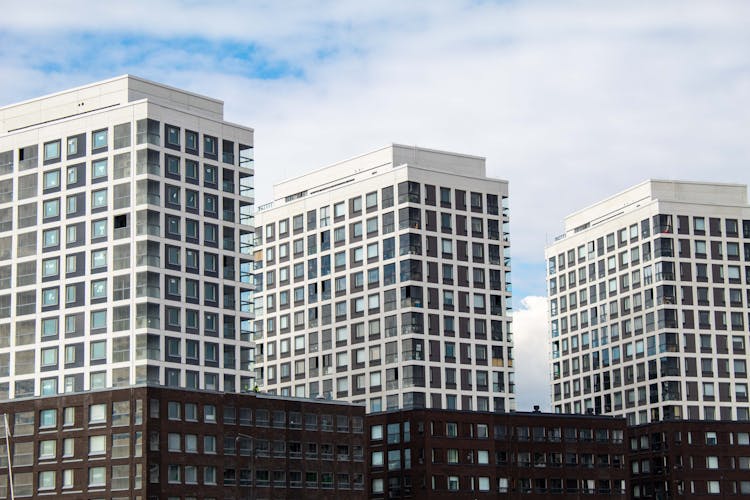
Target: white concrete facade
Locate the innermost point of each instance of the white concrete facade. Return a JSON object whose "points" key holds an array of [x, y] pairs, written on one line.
{"points": [[384, 280], [125, 241], [649, 293]]}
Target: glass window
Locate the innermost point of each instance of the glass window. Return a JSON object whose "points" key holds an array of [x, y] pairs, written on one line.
{"points": [[210, 174], [48, 418], [99, 169], [209, 414], [51, 237], [52, 150], [50, 296], [209, 145], [97, 476], [99, 289], [72, 204], [173, 135], [99, 139], [72, 234], [99, 229], [98, 413], [191, 140], [98, 259], [49, 356], [99, 198], [52, 208], [338, 209], [99, 350], [52, 179], [72, 175], [50, 327], [51, 267]]}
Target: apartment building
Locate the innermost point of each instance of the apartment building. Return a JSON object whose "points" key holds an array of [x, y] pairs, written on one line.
{"points": [[125, 242], [648, 297], [445, 454], [175, 444], [469, 455], [695, 459], [385, 280]]}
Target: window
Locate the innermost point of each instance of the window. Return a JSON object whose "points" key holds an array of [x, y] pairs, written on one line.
{"points": [[97, 445], [99, 169], [50, 297], [338, 210], [49, 357], [451, 429], [46, 478], [210, 145], [51, 208], [453, 483], [98, 380], [48, 418], [99, 229], [99, 139], [99, 198], [98, 350], [72, 146], [711, 437], [97, 476], [52, 179], [371, 200], [209, 414], [52, 151], [51, 238], [99, 289], [209, 475], [51, 267], [98, 320], [174, 441]]}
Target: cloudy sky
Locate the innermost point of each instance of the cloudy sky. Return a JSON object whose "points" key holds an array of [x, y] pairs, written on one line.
{"points": [[571, 101]]}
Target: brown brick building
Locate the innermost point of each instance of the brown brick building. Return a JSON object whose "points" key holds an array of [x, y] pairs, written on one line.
{"points": [[153, 443], [457, 454], [146, 443], [689, 459]]}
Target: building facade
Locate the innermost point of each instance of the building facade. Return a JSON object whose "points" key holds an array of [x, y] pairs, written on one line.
{"points": [[648, 295], [689, 459], [456, 454], [385, 280], [125, 241], [176, 444]]}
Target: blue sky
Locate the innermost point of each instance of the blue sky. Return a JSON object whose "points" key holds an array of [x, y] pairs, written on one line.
{"points": [[571, 101]]}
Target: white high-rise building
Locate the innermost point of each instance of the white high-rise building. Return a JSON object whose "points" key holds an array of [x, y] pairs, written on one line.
{"points": [[385, 280], [649, 301], [125, 241]]}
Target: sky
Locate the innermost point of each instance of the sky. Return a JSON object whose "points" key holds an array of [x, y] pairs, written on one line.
{"points": [[570, 101]]}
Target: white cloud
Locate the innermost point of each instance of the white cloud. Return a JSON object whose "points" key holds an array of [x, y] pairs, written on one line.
{"points": [[570, 101], [531, 353]]}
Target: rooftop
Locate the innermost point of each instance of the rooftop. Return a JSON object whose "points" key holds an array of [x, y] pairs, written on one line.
{"points": [[102, 95], [651, 191], [375, 162]]}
